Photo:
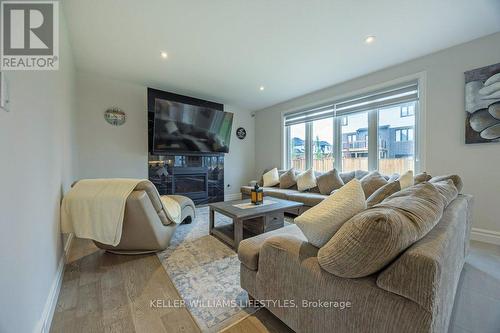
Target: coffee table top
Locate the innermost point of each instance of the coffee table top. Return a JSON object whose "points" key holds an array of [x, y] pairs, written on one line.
{"points": [[228, 208]]}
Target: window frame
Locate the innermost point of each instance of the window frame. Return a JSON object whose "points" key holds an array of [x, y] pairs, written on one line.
{"points": [[344, 121], [419, 131]]}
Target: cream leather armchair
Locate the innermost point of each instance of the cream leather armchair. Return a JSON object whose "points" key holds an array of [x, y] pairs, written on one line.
{"points": [[146, 227]]}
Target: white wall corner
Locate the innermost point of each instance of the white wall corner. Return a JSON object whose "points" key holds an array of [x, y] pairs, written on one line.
{"points": [[486, 236]]}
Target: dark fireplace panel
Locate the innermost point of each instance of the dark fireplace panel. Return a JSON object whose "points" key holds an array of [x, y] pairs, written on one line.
{"points": [[192, 183], [200, 178]]}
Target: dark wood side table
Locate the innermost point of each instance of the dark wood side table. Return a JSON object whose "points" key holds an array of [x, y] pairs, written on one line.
{"points": [[248, 222]]}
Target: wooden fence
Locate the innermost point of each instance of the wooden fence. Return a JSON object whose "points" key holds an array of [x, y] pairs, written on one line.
{"points": [[386, 166]]}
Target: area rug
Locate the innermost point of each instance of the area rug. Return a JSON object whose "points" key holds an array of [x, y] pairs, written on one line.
{"points": [[206, 273]]}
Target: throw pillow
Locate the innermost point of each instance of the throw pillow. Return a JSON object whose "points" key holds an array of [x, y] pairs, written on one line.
{"points": [[306, 180], [421, 177], [454, 178], [347, 176], [373, 238], [447, 189], [393, 177], [359, 174], [288, 179], [384, 192], [271, 178], [315, 189], [329, 181], [406, 179], [372, 182], [321, 222]]}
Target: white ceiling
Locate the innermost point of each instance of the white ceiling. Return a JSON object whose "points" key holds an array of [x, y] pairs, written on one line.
{"points": [[223, 50]]}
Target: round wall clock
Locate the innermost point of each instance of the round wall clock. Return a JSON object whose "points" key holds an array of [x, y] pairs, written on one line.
{"points": [[115, 116], [241, 133]]}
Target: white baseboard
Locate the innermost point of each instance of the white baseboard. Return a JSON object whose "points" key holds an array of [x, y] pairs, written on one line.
{"points": [[45, 321], [484, 235], [43, 325], [67, 246], [234, 196]]}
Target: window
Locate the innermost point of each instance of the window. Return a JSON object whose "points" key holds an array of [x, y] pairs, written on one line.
{"points": [[322, 143], [373, 131], [355, 142], [297, 145], [396, 141], [407, 110]]}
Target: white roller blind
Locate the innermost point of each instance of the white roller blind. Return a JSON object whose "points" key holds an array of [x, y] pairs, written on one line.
{"points": [[402, 93]]}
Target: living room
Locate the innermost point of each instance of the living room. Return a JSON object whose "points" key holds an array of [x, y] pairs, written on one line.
{"points": [[258, 166]]}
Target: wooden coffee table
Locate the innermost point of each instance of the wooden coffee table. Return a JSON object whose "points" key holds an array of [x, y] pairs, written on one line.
{"points": [[248, 220]]}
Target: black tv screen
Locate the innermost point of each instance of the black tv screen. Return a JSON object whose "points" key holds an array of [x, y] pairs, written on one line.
{"points": [[186, 128]]}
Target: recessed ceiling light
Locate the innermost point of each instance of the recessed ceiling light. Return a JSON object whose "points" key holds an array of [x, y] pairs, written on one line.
{"points": [[261, 88], [164, 54], [369, 39]]}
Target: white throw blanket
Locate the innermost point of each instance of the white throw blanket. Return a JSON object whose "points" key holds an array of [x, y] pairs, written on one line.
{"points": [[94, 209]]}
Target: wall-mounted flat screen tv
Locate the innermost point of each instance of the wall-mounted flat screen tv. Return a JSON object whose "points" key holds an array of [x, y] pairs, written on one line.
{"points": [[186, 128]]}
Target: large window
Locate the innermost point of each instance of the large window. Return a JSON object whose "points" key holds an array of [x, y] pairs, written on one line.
{"points": [[373, 131], [396, 140], [355, 142], [297, 146], [322, 144]]}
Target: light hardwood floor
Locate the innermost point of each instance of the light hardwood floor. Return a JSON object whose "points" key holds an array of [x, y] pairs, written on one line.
{"points": [[103, 292]]}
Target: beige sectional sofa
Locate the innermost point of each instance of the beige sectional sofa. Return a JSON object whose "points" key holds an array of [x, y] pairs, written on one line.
{"points": [[309, 199], [413, 292]]}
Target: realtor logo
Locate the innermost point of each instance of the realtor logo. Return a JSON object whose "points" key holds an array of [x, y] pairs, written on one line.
{"points": [[30, 35]]}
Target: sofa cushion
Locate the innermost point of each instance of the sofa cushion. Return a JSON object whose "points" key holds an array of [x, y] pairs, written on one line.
{"points": [[347, 176], [308, 199], [373, 238], [406, 179], [248, 250], [245, 189], [271, 178], [315, 189], [281, 193], [447, 189], [306, 180], [322, 221], [271, 191], [372, 182], [288, 179], [454, 178], [385, 191], [329, 181], [421, 177], [429, 271]]}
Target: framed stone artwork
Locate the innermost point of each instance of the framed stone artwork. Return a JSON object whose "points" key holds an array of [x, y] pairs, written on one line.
{"points": [[482, 104]]}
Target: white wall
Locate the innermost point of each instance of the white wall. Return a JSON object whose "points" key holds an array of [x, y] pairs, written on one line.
{"points": [[446, 151], [37, 149], [109, 151]]}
